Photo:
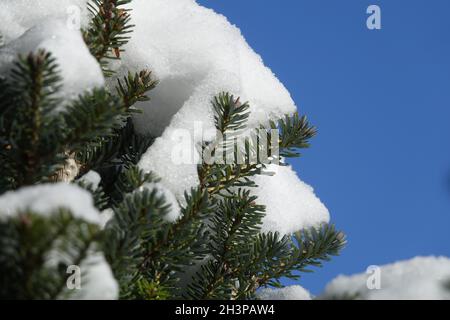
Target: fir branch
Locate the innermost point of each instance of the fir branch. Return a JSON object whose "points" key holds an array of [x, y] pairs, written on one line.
{"points": [[108, 30], [272, 257], [122, 148], [237, 219], [185, 237], [94, 114], [101, 201], [230, 113], [295, 133], [134, 88], [26, 111], [137, 220], [230, 117], [129, 180]]}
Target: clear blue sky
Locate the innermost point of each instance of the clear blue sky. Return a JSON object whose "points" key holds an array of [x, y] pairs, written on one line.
{"points": [[381, 101]]}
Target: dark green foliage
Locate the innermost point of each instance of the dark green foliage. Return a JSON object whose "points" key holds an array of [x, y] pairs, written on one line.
{"points": [[134, 88], [238, 268], [230, 113], [123, 147], [135, 221], [94, 114], [111, 154], [146, 250], [101, 200], [236, 221], [29, 131], [36, 135], [295, 133]]}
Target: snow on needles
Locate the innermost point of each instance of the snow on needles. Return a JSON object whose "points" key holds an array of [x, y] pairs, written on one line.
{"points": [[46, 198], [195, 54], [422, 278]]}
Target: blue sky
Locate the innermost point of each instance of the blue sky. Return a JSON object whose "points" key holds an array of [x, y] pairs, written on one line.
{"points": [[381, 102]]}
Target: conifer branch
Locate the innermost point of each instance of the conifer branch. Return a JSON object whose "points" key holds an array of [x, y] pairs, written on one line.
{"points": [[295, 133], [237, 219], [273, 258], [94, 114], [108, 30], [28, 101], [134, 88]]}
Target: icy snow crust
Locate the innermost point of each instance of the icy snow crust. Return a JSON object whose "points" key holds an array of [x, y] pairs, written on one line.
{"points": [[421, 278]]}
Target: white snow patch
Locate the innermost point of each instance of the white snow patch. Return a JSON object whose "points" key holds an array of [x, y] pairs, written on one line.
{"points": [[287, 293], [97, 280], [44, 199], [421, 278], [18, 16], [178, 177], [92, 178], [80, 71], [105, 216], [291, 204]]}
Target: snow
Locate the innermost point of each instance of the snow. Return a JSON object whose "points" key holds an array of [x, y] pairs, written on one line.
{"points": [[291, 204], [105, 216], [92, 178], [421, 278], [44, 199], [288, 293], [48, 28], [97, 280], [195, 53], [15, 22], [161, 191], [176, 177]]}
